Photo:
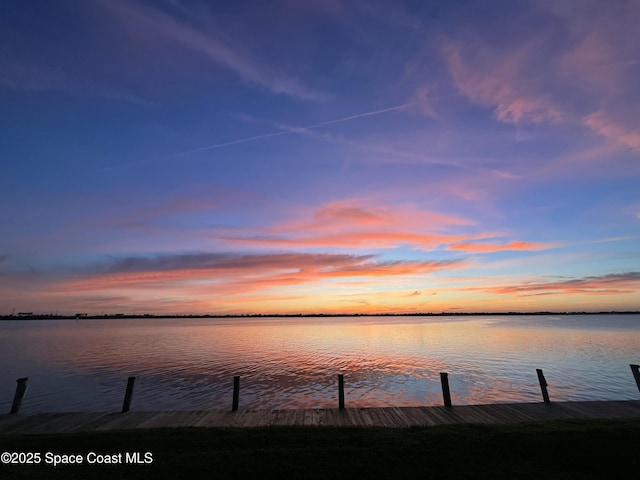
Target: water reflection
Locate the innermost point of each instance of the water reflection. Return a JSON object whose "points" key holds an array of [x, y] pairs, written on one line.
{"points": [[185, 364]]}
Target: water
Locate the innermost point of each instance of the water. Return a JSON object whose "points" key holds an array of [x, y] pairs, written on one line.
{"points": [[189, 364]]}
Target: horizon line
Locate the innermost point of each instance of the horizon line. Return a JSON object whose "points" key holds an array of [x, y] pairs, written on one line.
{"points": [[80, 316]]}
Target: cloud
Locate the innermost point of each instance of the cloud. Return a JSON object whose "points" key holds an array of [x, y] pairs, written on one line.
{"points": [[507, 175], [468, 193], [144, 20], [358, 240], [603, 124], [353, 213], [135, 211], [585, 58], [489, 248], [611, 284], [496, 78], [601, 61], [415, 293], [192, 275], [349, 212], [358, 223], [422, 101], [604, 43], [361, 224], [304, 130], [217, 282]]}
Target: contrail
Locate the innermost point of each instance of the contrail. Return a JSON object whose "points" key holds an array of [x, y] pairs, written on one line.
{"points": [[360, 115], [235, 142], [292, 130]]}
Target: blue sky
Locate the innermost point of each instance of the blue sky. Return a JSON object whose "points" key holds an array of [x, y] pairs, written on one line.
{"points": [[317, 156]]}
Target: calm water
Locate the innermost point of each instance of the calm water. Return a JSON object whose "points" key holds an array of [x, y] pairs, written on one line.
{"points": [[189, 364]]}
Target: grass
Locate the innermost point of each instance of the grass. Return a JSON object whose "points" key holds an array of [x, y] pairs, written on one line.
{"points": [[553, 450]]}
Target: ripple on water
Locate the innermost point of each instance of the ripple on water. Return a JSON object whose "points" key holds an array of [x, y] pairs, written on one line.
{"points": [[84, 365]]}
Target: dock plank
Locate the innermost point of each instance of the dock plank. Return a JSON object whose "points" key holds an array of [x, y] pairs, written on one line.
{"points": [[57, 423]]}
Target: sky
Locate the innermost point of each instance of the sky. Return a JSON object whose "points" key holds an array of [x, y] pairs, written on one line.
{"points": [[319, 156]]}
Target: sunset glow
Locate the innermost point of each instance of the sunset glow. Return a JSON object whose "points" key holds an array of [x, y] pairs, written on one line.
{"points": [[321, 156]]}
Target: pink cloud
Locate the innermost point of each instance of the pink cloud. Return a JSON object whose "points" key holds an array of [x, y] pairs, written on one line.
{"points": [[359, 224], [602, 61], [494, 78], [350, 212], [608, 127], [356, 225], [421, 102], [357, 213], [594, 64], [604, 43], [586, 58], [471, 194]]}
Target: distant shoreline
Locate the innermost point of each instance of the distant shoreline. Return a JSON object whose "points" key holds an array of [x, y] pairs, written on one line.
{"points": [[119, 316]]}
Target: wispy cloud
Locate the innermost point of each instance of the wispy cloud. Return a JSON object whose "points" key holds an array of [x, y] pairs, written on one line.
{"points": [[602, 124], [490, 248], [234, 274], [289, 130], [498, 79], [604, 42], [224, 52], [218, 280], [584, 58], [612, 284], [134, 211], [359, 224]]}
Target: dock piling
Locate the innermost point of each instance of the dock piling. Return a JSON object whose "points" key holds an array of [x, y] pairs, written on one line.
{"points": [[126, 405], [543, 386], [341, 391], [635, 369], [21, 388], [446, 393], [236, 393]]}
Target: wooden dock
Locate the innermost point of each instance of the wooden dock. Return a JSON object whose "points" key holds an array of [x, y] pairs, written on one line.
{"points": [[55, 423]]}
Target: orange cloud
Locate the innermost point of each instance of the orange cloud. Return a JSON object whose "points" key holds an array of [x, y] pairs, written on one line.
{"points": [[368, 240], [228, 274], [355, 213], [487, 248], [352, 224], [346, 211]]}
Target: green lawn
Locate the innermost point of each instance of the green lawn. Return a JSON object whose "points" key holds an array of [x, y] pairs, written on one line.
{"points": [[576, 449]]}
